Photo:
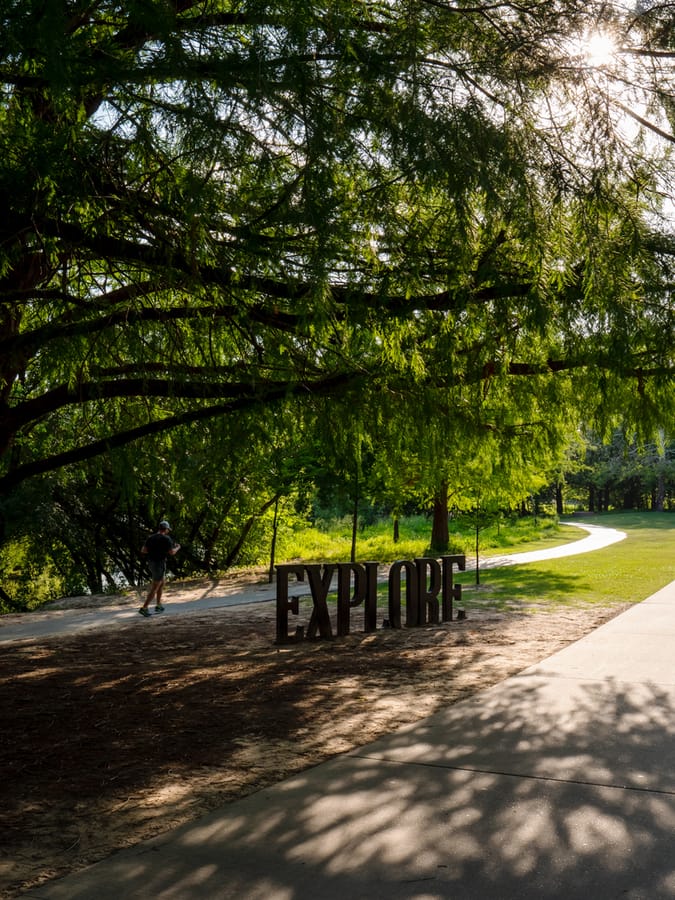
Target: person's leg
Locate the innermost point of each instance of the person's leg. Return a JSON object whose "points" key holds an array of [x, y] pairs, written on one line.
{"points": [[151, 593], [157, 572]]}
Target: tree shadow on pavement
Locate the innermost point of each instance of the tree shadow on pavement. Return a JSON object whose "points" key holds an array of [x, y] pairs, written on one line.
{"points": [[532, 789]]}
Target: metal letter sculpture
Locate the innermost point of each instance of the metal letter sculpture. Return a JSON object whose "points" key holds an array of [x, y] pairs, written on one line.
{"points": [[425, 579]]}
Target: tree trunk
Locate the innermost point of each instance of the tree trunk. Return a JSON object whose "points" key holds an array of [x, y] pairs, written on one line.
{"points": [[440, 532], [355, 524], [660, 496], [273, 547]]}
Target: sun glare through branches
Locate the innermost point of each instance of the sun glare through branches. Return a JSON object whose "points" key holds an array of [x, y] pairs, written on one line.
{"points": [[598, 48]]}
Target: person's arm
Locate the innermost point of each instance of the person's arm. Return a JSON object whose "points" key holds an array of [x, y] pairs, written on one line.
{"points": [[174, 549]]}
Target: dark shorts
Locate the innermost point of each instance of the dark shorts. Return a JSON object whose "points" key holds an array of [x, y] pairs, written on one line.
{"points": [[157, 568]]}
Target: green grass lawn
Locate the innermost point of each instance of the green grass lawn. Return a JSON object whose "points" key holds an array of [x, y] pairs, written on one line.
{"points": [[628, 571], [625, 572]]}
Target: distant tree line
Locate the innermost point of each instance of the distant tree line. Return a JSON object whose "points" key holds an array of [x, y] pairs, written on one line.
{"points": [[624, 474]]}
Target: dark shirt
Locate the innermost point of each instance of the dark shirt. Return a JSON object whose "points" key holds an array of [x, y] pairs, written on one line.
{"points": [[159, 546]]}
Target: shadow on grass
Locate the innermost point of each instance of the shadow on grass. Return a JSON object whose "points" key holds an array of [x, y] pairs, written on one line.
{"points": [[511, 588]]}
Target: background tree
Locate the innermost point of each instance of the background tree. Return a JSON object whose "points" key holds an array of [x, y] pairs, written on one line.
{"points": [[625, 472]]}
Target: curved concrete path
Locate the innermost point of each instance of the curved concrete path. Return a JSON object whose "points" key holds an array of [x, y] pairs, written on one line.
{"points": [[47, 623], [556, 783], [598, 538]]}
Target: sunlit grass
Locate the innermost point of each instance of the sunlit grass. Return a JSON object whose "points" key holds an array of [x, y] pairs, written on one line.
{"points": [[626, 572]]}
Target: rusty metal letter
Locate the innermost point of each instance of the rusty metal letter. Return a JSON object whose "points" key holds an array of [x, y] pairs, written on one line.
{"points": [[451, 591], [319, 584], [345, 599], [411, 592], [428, 591], [370, 607], [284, 605]]}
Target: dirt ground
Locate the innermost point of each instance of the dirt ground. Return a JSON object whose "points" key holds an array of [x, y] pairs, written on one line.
{"points": [[109, 738]]}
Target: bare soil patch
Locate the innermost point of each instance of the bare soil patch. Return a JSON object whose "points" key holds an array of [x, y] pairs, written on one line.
{"points": [[109, 738]]}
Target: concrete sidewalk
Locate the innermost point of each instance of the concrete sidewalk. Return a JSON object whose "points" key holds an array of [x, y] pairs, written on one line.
{"points": [[557, 783], [49, 623]]}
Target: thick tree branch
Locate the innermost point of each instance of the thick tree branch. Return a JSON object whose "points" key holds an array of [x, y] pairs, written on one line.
{"points": [[161, 388], [275, 394], [30, 342]]}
